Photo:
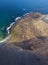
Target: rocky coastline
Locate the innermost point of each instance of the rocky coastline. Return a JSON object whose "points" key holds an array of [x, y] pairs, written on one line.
{"points": [[12, 25], [27, 43]]}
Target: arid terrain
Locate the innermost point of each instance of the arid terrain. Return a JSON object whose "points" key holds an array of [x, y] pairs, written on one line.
{"points": [[30, 26], [28, 44]]}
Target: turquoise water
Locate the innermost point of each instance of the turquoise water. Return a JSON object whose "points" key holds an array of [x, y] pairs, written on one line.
{"points": [[10, 9], [5, 20]]}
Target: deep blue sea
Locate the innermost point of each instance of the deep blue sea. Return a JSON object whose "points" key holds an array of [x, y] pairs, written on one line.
{"points": [[10, 9]]}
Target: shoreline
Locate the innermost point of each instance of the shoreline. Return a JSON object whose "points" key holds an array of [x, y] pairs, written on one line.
{"points": [[4, 40], [12, 26]]}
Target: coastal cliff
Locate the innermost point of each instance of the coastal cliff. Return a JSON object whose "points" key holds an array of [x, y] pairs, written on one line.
{"points": [[28, 43], [30, 26]]}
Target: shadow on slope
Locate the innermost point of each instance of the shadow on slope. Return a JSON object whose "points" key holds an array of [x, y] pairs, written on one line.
{"points": [[14, 54], [32, 44]]}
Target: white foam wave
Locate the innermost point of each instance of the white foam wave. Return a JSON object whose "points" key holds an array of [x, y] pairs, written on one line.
{"points": [[17, 18], [8, 28], [26, 14]]}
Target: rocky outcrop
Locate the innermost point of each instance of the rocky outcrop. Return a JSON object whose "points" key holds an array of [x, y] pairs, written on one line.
{"points": [[30, 26]]}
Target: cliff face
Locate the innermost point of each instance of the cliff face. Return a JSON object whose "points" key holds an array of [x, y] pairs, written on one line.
{"points": [[29, 27]]}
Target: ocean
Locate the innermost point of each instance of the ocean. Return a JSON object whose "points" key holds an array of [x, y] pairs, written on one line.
{"points": [[10, 9]]}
